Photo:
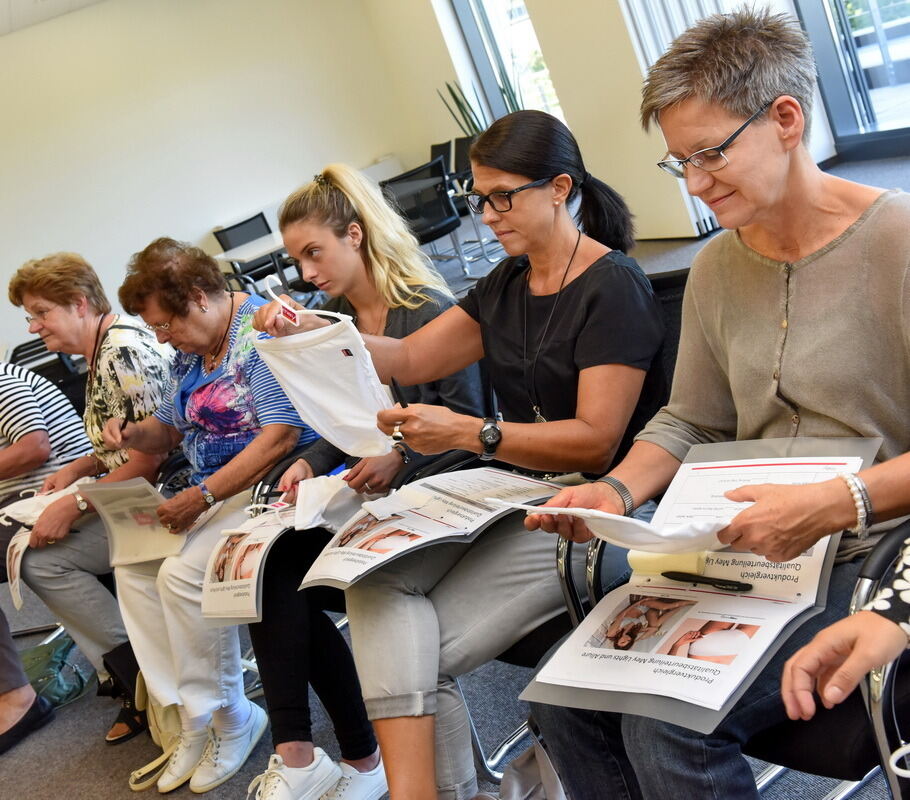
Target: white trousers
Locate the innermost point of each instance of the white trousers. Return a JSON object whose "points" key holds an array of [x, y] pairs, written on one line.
{"points": [[184, 659]]}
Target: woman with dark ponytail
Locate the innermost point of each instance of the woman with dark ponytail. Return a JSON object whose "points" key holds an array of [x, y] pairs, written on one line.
{"points": [[571, 333]]}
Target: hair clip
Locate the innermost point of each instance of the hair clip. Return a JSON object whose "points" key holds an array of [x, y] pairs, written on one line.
{"points": [[319, 180]]}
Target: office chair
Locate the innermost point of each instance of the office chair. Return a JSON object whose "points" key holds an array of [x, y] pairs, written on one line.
{"points": [[455, 155], [421, 196], [247, 276]]}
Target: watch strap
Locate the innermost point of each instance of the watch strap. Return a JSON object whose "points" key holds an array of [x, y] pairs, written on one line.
{"points": [[81, 502], [622, 490], [206, 494]]}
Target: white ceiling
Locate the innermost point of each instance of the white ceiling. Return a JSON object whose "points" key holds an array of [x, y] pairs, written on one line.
{"points": [[18, 14]]}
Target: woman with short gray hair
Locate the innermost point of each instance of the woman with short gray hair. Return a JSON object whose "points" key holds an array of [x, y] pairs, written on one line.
{"points": [[794, 324]]}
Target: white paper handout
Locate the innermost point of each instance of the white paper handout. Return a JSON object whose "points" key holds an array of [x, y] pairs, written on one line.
{"points": [[452, 506], [129, 512], [694, 508], [14, 552], [328, 376]]}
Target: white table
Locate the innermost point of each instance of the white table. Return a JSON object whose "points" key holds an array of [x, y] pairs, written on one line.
{"points": [[269, 245]]}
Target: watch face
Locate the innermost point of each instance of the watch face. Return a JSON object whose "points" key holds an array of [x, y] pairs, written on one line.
{"points": [[490, 435]]}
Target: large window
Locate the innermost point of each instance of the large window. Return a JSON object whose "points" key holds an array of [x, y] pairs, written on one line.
{"points": [[506, 56]]}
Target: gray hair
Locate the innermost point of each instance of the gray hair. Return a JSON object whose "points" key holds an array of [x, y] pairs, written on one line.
{"points": [[738, 61]]}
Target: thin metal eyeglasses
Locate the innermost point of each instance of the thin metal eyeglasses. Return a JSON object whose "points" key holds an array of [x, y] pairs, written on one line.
{"points": [[499, 201], [162, 327], [39, 316], [710, 159]]}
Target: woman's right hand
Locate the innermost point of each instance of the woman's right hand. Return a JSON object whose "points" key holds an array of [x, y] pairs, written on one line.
{"points": [[595, 495], [684, 641], [116, 435], [300, 470], [270, 320], [62, 478]]}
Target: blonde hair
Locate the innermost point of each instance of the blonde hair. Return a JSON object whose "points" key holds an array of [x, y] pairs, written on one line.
{"points": [[61, 278], [340, 195], [739, 61]]}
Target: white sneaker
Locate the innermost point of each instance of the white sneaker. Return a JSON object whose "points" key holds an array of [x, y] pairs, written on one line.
{"points": [[280, 782], [356, 785], [224, 755], [184, 760]]}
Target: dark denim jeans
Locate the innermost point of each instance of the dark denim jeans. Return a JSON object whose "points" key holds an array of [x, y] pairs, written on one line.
{"points": [[600, 754]]}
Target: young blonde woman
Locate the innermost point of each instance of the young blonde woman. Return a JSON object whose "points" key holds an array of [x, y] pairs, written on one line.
{"points": [[353, 246]]}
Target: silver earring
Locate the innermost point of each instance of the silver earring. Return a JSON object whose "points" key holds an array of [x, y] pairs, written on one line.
{"points": [[556, 202], [204, 309]]}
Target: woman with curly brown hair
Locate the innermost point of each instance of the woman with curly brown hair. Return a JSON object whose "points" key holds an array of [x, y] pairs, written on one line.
{"points": [[233, 422]]}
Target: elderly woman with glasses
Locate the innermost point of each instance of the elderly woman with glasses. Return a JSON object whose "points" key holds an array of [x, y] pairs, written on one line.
{"points": [[128, 373], [794, 324], [572, 333], [227, 413]]}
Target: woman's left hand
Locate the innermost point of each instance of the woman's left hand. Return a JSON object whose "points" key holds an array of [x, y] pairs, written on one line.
{"points": [[180, 512], [786, 520], [428, 429], [55, 522], [374, 475]]}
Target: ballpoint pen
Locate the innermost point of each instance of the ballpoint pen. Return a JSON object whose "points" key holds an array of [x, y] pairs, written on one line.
{"points": [[718, 583]]}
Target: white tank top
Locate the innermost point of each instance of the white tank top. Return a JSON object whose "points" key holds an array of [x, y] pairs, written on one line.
{"points": [[720, 643]]}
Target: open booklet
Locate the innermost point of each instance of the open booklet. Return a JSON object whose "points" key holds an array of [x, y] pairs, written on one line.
{"points": [[129, 512], [453, 506], [682, 649], [232, 586]]}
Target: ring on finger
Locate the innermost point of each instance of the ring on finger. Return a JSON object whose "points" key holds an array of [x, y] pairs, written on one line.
{"points": [[397, 435], [52, 541], [368, 487]]}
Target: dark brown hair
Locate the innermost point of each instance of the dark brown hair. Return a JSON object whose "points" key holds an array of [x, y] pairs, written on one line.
{"points": [[170, 270]]}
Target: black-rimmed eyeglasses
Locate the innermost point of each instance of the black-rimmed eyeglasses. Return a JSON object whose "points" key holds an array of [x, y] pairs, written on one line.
{"points": [[710, 159], [499, 201]]}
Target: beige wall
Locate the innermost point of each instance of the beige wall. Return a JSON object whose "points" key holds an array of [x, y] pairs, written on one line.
{"points": [[133, 119], [598, 81]]}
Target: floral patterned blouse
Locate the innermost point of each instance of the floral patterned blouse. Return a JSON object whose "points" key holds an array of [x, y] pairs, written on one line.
{"points": [[893, 602], [130, 380], [219, 413]]}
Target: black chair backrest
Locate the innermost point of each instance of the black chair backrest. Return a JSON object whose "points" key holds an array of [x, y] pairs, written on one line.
{"points": [[421, 196], [59, 368], [442, 150], [462, 165], [669, 288], [243, 232]]}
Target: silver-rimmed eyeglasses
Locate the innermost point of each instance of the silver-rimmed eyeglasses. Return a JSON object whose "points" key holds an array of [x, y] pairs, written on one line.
{"points": [[710, 159], [499, 201], [38, 316], [161, 327]]}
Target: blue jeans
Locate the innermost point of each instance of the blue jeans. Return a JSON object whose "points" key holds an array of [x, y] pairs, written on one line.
{"points": [[601, 754]]}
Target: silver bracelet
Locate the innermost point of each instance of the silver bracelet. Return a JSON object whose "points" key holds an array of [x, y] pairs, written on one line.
{"points": [[860, 529], [623, 492]]}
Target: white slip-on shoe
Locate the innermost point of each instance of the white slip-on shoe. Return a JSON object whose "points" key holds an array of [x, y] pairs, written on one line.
{"points": [[224, 755], [356, 785], [183, 760], [280, 782]]}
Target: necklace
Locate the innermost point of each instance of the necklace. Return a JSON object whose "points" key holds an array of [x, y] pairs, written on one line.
{"points": [[94, 359], [213, 355], [380, 327], [530, 381]]}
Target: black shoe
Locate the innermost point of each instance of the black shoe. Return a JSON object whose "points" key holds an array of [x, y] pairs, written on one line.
{"points": [[134, 720], [40, 713]]}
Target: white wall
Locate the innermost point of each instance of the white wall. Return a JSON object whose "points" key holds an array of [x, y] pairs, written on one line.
{"points": [[133, 119], [598, 81]]}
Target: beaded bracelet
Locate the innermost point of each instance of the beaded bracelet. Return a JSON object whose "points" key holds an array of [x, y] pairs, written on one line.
{"points": [[860, 529]]}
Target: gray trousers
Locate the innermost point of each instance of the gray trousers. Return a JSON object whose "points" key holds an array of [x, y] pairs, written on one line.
{"points": [[64, 576], [11, 674], [443, 611]]}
